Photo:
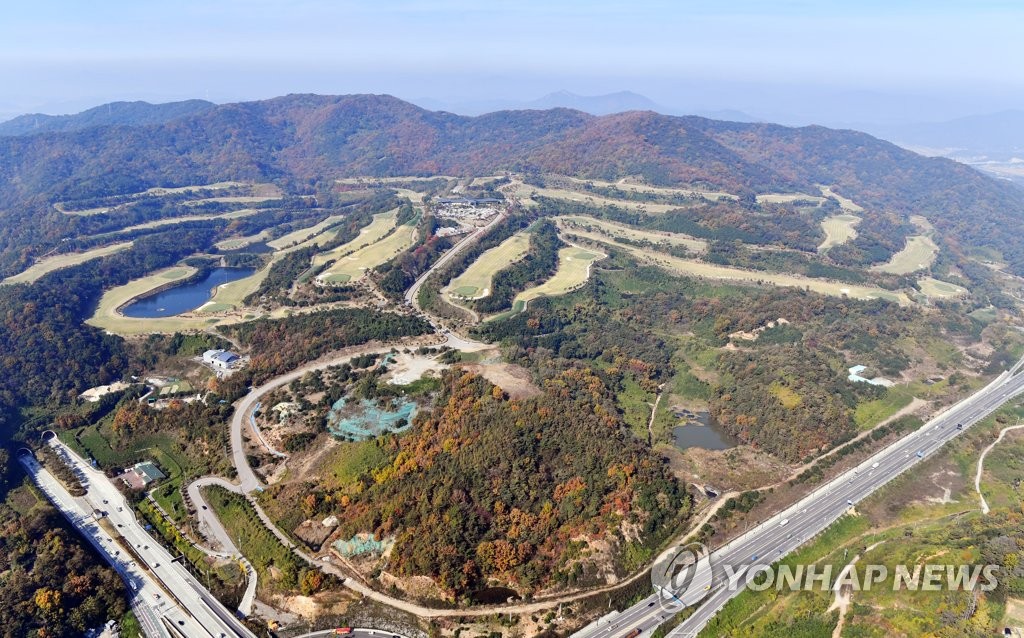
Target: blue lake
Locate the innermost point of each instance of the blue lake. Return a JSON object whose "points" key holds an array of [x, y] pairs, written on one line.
{"points": [[366, 419], [179, 299]]}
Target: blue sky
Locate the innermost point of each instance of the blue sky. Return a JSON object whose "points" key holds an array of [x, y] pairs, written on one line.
{"points": [[958, 57]]}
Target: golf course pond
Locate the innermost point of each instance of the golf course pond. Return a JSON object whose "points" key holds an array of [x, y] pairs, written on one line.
{"points": [[185, 297]]}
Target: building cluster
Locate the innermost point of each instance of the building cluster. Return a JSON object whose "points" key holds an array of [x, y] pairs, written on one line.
{"points": [[466, 208]]}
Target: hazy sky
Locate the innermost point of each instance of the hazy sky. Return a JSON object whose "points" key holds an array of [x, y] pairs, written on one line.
{"points": [[881, 59]]}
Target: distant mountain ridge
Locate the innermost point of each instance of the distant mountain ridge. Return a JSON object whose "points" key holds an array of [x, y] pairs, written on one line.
{"points": [[303, 138], [988, 134], [115, 113], [607, 104]]}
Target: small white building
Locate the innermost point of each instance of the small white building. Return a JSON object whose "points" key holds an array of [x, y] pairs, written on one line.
{"points": [[223, 359]]}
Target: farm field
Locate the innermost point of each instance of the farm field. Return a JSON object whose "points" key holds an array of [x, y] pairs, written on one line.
{"points": [[475, 282], [56, 262], [628, 232], [938, 289], [369, 257], [373, 232], [839, 229], [573, 270], [301, 235], [696, 268], [918, 254]]}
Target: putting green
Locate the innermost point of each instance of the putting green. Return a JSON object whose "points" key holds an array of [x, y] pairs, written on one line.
{"points": [[466, 291]]}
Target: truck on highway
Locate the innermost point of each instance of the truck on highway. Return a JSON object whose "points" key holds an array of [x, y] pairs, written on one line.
{"points": [[784, 522], [633, 634]]}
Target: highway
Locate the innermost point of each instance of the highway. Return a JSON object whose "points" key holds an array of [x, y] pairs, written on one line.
{"points": [[773, 539], [356, 632], [172, 603]]}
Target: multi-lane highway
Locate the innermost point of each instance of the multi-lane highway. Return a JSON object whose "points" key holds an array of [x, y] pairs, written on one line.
{"points": [[792, 527], [169, 601]]}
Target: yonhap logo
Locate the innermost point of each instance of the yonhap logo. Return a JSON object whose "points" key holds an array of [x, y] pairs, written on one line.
{"points": [[682, 576]]}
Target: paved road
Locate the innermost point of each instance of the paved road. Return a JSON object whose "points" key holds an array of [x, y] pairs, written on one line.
{"points": [[772, 539], [466, 242], [247, 479], [177, 603], [211, 527]]}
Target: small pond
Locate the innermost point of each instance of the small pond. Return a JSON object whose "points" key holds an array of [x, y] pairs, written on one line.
{"points": [[189, 296], [702, 431], [494, 596]]}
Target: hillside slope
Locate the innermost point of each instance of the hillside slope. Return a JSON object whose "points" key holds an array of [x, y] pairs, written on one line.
{"points": [[301, 138]]}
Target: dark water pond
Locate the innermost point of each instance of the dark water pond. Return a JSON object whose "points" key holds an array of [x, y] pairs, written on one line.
{"points": [[179, 299], [702, 431], [494, 595]]}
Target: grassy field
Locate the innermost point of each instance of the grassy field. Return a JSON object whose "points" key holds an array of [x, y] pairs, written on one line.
{"points": [[785, 198], [369, 257], [238, 242], [844, 203], [871, 413], [523, 191], [121, 295], [375, 231], [711, 271], [303, 234], [232, 294], [573, 270], [939, 289], [108, 318], [839, 229], [475, 282], [256, 542], [56, 262], [390, 180], [266, 191], [630, 233], [918, 254], [625, 185]]}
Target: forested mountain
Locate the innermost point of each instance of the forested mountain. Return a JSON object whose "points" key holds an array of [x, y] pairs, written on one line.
{"points": [[303, 138], [115, 113]]}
